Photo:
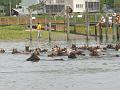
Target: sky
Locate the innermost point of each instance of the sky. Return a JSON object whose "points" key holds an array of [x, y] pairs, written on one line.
{"points": [[29, 2]]}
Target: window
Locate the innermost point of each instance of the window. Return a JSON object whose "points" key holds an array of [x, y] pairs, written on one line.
{"points": [[79, 5], [92, 6], [76, 5]]}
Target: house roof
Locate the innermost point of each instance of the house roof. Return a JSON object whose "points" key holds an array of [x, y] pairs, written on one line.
{"points": [[23, 11]]}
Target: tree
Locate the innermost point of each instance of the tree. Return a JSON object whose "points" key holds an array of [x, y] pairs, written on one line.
{"points": [[107, 2], [37, 6], [6, 4], [110, 3]]}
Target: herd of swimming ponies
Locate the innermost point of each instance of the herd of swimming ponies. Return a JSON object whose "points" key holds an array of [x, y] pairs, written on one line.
{"points": [[72, 52]]}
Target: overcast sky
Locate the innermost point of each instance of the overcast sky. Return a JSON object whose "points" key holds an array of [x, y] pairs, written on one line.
{"points": [[29, 2]]}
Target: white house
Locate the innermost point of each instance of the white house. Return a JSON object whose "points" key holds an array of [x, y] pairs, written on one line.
{"points": [[80, 5], [54, 6], [76, 5]]}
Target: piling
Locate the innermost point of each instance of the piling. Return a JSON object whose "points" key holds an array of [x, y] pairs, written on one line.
{"points": [[95, 33], [106, 30], [118, 33], [114, 29], [100, 33]]}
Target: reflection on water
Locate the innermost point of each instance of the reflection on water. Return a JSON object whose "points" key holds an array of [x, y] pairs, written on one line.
{"points": [[17, 74]]}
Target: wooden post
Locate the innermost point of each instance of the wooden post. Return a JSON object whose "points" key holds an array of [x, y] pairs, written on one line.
{"points": [[75, 24], [65, 17], [10, 7], [87, 25], [95, 27], [95, 33], [68, 24], [114, 28], [30, 34], [118, 37], [8, 21], [50, 22], [49, 31], [100, 33], [64, 23], [45, 23], [18, 20], [119, 31], [106, 30]]}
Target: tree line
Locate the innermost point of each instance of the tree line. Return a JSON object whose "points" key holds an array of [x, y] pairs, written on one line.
{"points": [[5, 4]]}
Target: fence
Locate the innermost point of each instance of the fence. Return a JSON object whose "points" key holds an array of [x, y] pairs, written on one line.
{"points": [[25, 20]]}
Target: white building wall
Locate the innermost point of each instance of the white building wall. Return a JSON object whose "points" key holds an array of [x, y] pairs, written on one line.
{"points": [[69, 3], [78, 5], [92, 0], [55, 1]]}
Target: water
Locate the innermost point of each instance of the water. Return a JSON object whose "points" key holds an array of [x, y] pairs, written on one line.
{"points": [[83, 73]]}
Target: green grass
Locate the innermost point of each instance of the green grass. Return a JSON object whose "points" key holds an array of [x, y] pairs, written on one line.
{"points": [[82, 30], [13, 27], [16, 33], [13, 35]]}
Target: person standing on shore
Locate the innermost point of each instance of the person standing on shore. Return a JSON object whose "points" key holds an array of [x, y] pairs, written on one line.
{"points": [[110, 20], [101, 22], [38, 30]]}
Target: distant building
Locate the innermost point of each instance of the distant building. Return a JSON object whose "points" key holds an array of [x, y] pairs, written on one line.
{"points": [[58, 6], [80, 5], [54, 6]]}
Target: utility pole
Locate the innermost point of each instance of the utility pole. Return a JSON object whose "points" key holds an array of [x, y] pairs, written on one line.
{"points": [[10, 7], [87, 24]]}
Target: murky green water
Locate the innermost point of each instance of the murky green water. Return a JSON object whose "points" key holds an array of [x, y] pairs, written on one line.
{"points": [[83, 73]]}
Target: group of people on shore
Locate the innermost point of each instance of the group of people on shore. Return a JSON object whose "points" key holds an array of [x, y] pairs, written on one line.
{"points": [[111, 19], [115, 18]]}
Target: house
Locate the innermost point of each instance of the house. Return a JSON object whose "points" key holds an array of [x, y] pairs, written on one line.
{"points": [[58, 6], [54, 6], [81, 5]]}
